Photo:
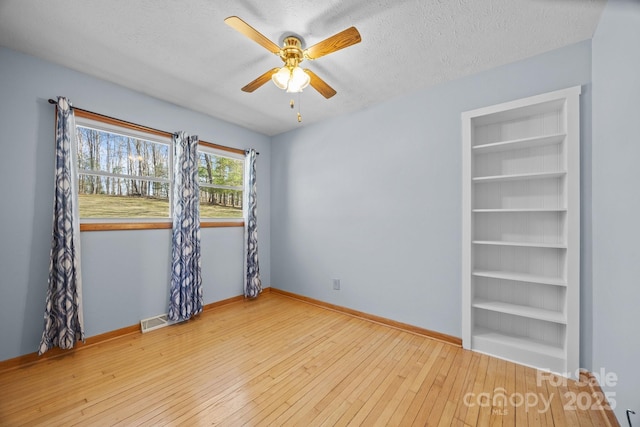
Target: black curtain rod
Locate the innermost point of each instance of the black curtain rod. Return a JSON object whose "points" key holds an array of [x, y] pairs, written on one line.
{"points": [[53, 101]]}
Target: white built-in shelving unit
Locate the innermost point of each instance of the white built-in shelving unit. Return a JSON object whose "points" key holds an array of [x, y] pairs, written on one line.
{"points": [[521, 230]]}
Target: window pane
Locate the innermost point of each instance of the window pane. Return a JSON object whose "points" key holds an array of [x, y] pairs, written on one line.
{"points": [[219, 170], [113, 197], [218, 203], [113, 153]]}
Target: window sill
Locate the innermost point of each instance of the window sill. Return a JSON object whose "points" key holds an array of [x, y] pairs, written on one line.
{"points": [[119, 226]]}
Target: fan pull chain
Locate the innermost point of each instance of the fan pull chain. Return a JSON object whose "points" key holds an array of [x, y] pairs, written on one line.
{"points": [[292, 104]]}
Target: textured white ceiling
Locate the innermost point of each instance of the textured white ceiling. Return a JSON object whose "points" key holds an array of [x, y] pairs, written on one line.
{"points": [[182, 52]]}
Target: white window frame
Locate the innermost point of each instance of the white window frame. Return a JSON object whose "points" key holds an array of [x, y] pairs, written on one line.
{"points": [[204, 148], [114, 129]]}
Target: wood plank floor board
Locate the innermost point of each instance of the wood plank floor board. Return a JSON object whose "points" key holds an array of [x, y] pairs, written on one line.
{"points": [[582, 400], [557, 408], [433, 406], [467, 386], [398, 387], [533, 414], [332, 409], [372, 381], [369, 391], [424, 365], [281, 381], [484, 412], [429, 405], [498, 406], [155, 383], [342, 382], [401, 402], [149, 375], [316, 371], [423, 390], [473, 409], [545, 407], [281, 361], [442, 408], [521, 390], [456, 392], [261, 370], [509, 418], [88, 381]]}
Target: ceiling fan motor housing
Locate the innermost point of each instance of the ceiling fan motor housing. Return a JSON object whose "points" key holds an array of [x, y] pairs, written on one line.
{"points": [[291, 53]]}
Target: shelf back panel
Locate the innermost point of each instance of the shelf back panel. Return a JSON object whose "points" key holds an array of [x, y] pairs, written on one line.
{"points": [[549, 333], [546, 158], [524, 260], [545, 193], [541, 119], [520, 227], [520, 293]]}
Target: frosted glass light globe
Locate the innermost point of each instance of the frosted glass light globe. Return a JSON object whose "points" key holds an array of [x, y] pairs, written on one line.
{"points": [[281, 77], [299, 80]]}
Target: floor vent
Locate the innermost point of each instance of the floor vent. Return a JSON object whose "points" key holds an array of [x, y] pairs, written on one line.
{"points": [[155, 322]]}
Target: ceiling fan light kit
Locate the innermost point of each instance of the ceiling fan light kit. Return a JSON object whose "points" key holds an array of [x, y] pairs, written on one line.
{"points": [[292, 80], [291, 77]]}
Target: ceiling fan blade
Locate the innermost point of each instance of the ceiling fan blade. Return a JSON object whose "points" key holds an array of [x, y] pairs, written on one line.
{"points": [[343, 39], [320, 85], [246, 29], [259, 81]]}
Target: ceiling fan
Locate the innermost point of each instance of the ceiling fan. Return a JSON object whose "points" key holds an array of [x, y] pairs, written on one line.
{"points": [[291, 77]]}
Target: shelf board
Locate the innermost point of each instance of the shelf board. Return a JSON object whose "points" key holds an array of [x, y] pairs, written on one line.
{"points": [[536, 141], [520, 244], [520, 343], [519, 176], [520, 210], [521, 310], [519, 277]]}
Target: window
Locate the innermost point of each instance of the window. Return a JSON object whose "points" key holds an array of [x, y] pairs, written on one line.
{"points": [[221, 183], [122, 174], [125, 177]]}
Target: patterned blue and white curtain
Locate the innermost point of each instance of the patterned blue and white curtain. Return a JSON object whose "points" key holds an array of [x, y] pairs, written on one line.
{"points": [[185, 299], [63, 323], [252, 283]]}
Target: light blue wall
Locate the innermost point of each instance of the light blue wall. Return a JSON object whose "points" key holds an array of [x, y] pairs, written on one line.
{"points": [[125, 273], [375, 198], [616, 201]]}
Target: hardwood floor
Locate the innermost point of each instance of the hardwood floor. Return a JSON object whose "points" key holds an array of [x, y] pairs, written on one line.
{"points": [[280, 361]]}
